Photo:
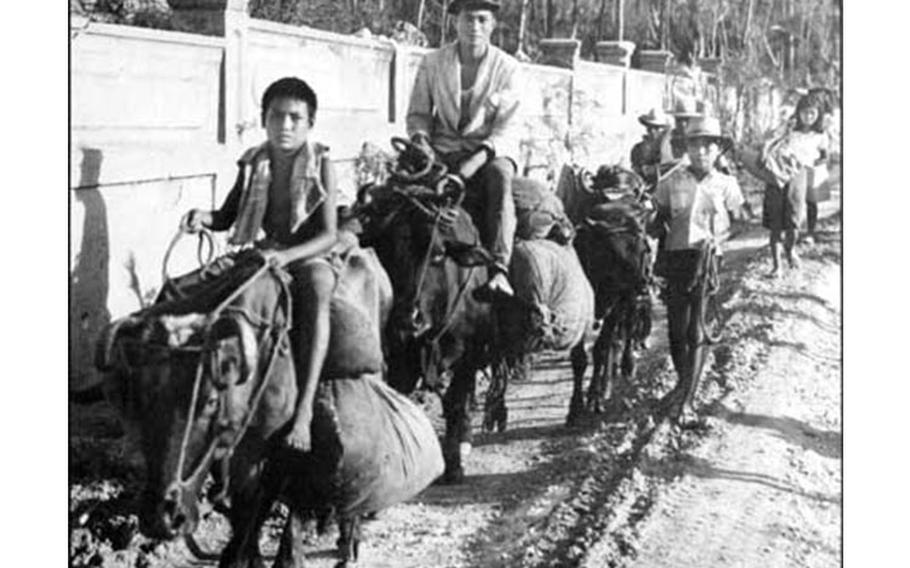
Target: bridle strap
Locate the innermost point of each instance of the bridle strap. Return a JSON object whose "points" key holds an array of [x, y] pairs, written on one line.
{"points": [[281, 338], [425, 265]]}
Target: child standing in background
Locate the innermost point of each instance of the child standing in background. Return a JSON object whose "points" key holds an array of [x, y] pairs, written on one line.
{"points": [[790, 159]]}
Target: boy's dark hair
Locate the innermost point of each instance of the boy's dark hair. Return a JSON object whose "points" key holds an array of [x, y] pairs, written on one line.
{"points": [[290, 88]]}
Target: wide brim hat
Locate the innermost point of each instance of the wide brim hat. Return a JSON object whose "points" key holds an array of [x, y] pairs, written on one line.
{"points": [[708, 127], [687, 108], [655, 117], [458, 5]]}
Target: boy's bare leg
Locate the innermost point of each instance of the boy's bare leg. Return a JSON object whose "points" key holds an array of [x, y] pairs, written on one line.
{"points": [[311, 344], [697, 353], [789, 243], [775, 254], [811, 221], [678, 325]]}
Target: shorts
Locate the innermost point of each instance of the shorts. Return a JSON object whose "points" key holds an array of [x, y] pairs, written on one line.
{"points": [[784, 208]]}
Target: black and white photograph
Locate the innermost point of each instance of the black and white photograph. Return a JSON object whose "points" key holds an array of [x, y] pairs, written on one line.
{"points": [[462, 284]]}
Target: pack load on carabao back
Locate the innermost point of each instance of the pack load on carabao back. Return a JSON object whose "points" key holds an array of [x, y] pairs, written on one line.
{"points": [[555, 300]]}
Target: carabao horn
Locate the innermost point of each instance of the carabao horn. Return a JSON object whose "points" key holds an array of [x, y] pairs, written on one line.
{"points": [[105, 342], [249, 347]]}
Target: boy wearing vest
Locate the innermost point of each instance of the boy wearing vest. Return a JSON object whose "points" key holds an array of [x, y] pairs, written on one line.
{"points": [[286, 190]]}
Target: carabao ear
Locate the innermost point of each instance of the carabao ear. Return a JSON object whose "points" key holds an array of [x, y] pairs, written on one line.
{"points": [[468, 255], [365, 195]]}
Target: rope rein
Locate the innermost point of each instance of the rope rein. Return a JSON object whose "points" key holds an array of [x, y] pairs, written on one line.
{"points": [[205, 235], [707, 287]]}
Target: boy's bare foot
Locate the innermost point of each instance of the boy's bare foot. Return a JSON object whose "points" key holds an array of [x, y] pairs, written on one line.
{"points": [[774, 273], [793, 260], [299, 438]]}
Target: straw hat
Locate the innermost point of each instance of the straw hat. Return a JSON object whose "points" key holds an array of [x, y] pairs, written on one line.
{"points": [[655, 117], [458, 5], [708, 127]]}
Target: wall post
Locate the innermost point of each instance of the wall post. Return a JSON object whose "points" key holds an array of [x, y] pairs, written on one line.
{"points": [[228, 19], [615, 52], [656, 60], [560, 52]]}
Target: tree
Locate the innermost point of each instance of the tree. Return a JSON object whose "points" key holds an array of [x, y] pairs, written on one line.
{"points": [[792, 43]]}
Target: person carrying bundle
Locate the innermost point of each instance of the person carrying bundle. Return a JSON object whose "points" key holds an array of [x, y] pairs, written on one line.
{"points": [[786, 164]]}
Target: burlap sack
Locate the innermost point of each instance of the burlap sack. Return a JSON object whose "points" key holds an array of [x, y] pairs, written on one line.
{"points": [[548, 278]]}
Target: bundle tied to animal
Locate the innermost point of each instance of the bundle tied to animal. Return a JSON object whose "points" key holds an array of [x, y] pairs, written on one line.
{"points": [[539, 213], [376, 447], [372, 447], [614, 249], [354, 347], [555, 295]]}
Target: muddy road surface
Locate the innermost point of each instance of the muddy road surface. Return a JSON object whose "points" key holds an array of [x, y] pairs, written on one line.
{"points": [[757, 485]]}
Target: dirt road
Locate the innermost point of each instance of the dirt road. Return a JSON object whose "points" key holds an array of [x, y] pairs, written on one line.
{"points": [[759, 486], [763, 488]]}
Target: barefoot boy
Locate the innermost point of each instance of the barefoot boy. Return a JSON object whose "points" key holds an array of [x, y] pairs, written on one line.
{"points": [[286, 190]]}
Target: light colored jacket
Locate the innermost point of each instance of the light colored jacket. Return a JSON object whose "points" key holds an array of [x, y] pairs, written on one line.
{"points": [[435, 107]]}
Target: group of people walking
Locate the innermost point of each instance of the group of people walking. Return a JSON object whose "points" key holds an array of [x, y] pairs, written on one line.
{"points": [[792, 164], [683, 159], [463, 111], [463, 108], [696, 201]]}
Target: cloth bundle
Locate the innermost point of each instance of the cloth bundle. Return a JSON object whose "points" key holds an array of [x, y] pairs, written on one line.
{"points": [[539, 213], [556, 296], [372, 448]]}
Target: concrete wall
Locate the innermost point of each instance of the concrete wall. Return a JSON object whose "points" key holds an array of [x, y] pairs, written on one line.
{"points": [[158, 119], [352, 78], [145, 129]]}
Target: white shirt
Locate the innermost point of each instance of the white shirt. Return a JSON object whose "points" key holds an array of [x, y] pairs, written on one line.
{"points": [[698, 208]]}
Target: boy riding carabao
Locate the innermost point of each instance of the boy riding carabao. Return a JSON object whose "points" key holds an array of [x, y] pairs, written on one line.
{"points": [[285, 189]]}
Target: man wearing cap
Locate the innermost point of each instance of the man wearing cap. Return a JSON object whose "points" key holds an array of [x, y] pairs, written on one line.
{"points": [[464, 106], [694, 207], [654, 148]]}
